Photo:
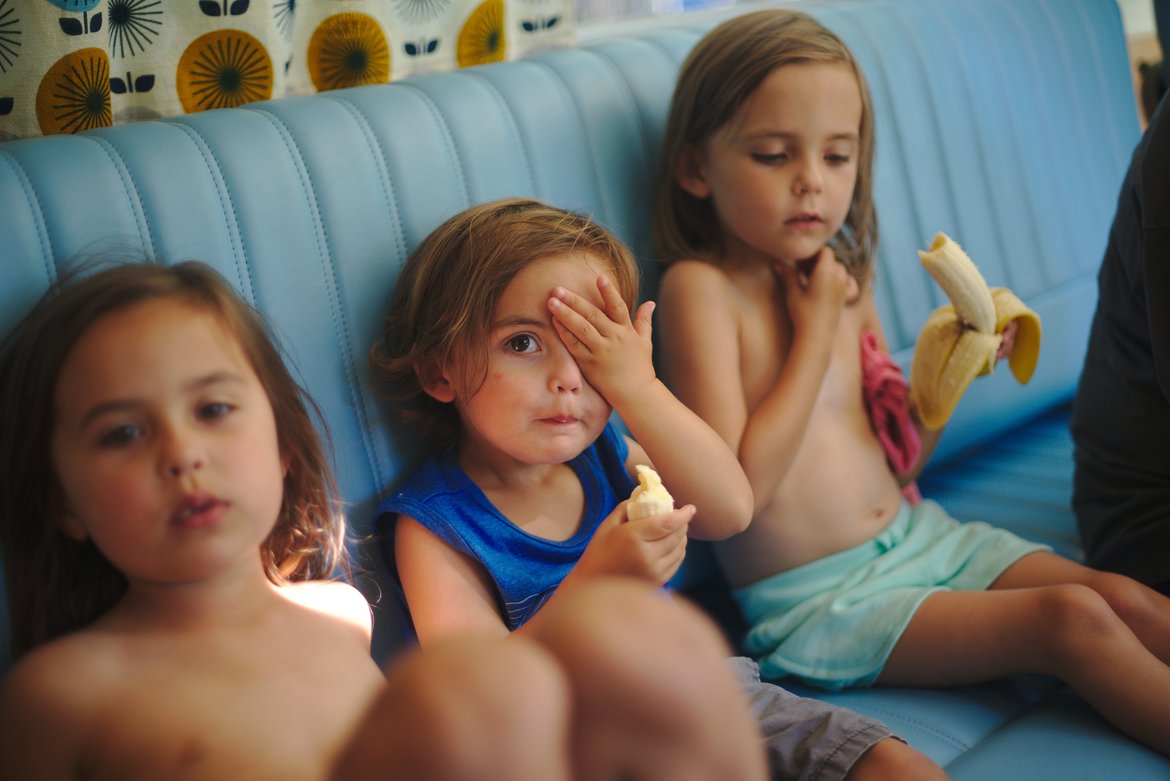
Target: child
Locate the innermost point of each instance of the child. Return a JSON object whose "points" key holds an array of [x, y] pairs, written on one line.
{"points": [[510, 339], [166, 514], [764, 206]]}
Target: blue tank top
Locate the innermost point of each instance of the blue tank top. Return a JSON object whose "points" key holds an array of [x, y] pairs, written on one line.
{"points": [[526, 569]]}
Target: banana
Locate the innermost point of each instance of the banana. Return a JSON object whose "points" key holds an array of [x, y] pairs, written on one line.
{"points": [[649, 497], [959, 340], [960, 279]]}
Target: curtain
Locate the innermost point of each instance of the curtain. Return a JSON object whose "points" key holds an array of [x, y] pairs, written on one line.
{"points": [[71, 65]]}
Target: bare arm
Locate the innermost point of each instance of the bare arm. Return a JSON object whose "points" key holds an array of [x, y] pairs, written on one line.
{"points": [[614, 353], [703, 362], [449, 593], [41, 733]]}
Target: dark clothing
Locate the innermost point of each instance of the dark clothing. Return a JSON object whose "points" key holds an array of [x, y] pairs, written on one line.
{"points": [[1121, 416]]}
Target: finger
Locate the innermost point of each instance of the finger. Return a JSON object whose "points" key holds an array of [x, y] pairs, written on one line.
{"points": [[643, 318], [615, 305], [589, 313], [673, 563], [660, 527], [852, 290], [574, 330]]}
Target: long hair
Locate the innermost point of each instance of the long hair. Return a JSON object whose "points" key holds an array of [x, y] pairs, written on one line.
{"points": [[717, 77], [56, 584], [442, 305]]}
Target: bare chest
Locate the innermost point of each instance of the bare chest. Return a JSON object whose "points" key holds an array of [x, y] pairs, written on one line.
{"points": [[765, 340], [551, 509], [223, 715]]}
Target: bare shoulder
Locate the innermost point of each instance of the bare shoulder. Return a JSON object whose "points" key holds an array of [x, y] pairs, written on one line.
{"points": [[689, 277], [332, 598], [49, 703]]}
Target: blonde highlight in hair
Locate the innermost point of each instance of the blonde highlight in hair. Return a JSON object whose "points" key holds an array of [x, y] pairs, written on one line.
{"points": [[718, 76], [57, 585], [441, 309]]}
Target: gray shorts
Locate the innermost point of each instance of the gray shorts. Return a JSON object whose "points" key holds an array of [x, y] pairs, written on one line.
{"points": [[806, 739]]}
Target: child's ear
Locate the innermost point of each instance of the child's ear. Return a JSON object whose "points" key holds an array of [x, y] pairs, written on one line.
{"points": [[688, 172], [435, 382]]}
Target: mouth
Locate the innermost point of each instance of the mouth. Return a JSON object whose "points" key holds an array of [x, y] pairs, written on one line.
{"points": [[804, 220], [560, 420], [198, 510]]}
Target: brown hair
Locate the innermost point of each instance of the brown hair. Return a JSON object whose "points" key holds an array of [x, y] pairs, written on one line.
{"points": [[57, 585], [443, 302], [717, 77]]}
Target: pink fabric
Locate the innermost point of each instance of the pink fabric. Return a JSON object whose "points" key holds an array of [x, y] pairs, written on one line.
{"points": [[885, 392]]}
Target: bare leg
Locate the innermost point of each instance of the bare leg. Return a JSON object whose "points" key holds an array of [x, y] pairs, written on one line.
{"points": [[1068, 631], [654, 698], [473, 709], [892, 759], [1143, 610]]}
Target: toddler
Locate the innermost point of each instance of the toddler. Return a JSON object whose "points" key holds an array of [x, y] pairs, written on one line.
{"points": [[511, 338]]}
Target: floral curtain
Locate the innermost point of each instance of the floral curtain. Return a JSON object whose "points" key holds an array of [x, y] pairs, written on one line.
{"points": [[71, 65]]}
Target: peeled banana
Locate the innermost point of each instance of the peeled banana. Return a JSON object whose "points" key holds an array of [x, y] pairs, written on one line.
{"points": [[959, 340], [649, 497]]}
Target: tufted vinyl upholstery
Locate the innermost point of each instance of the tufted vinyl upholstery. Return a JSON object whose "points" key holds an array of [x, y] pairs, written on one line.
{"points": [[1006, 123]]}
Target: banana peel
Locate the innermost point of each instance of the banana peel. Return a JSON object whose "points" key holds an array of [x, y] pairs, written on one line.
{"points": [[959, 340]]}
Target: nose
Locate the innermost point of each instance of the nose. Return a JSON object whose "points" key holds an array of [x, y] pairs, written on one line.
{"points": [[564, 374], [180, 454], [809, 178]]}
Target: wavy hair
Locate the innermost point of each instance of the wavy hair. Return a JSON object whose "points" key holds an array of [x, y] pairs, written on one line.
{"points": [[57, 585], [442, 305]]}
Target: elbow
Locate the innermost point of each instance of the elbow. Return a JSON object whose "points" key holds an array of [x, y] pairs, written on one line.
{"points": [[734, 517], [745, 509]]}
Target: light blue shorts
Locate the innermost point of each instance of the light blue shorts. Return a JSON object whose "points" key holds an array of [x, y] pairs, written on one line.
{"points": [[833, 622]]}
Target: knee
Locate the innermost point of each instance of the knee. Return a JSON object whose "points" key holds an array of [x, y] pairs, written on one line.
{"points": [[627, 624], [1130, 601], [892, 758], [473, 710], [1071, 614]]}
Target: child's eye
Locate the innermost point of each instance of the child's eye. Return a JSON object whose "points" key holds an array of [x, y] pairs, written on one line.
{"points": [[119, 436], [837, 159], [769, 158], [214, 410], [522, 343]]}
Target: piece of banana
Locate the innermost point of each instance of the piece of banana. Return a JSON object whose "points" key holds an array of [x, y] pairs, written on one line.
{"points": [[959, 340], [960, 279], [649, 497]]}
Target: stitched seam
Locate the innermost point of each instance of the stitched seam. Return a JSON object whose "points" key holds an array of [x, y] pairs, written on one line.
{"points": [[329, 275], [560, 81], [628, 93], [389, 195], [134, 195], [231, 216], [38, 215], [513, 126], [886, 714], [445, 129]]}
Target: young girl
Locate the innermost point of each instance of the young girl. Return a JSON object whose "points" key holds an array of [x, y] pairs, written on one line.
{"points": [[510, 339], [166, 515], [764, 206]]}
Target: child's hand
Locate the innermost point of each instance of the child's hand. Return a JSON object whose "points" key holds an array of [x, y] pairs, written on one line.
{"points": [[613, 351], [1007, 340], [816, 290], [650, 548]]}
